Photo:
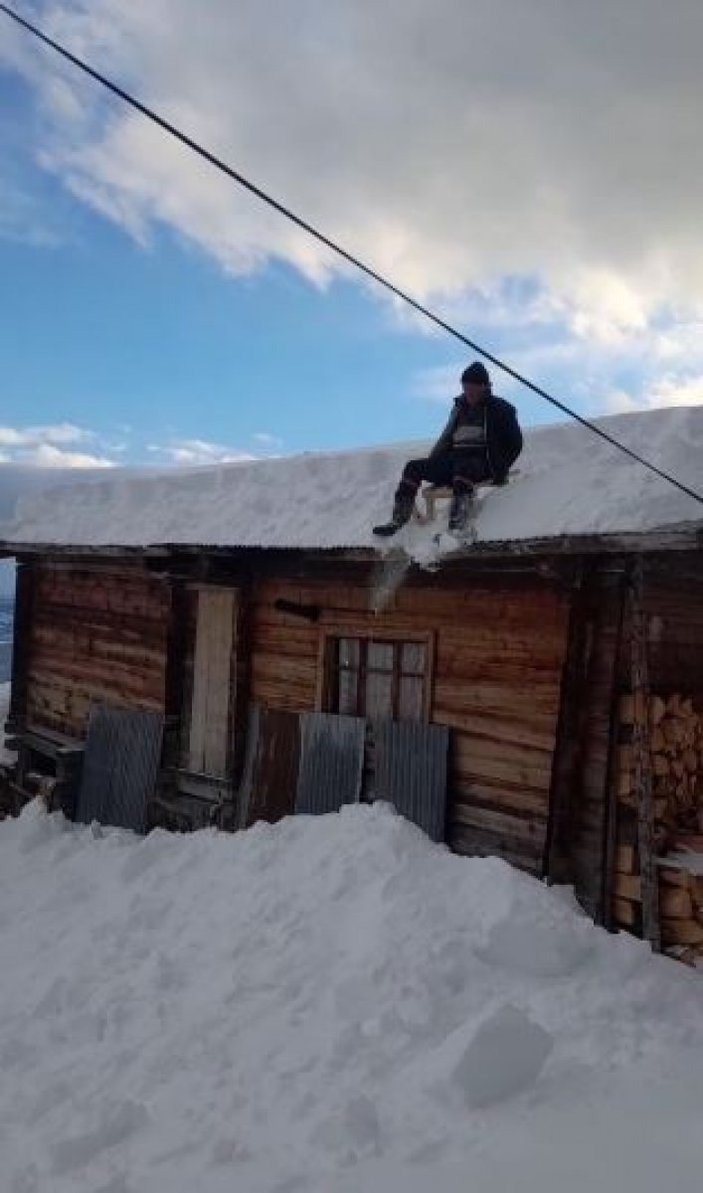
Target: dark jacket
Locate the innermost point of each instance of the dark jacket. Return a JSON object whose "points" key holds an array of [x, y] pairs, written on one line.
{"points": [[503, 436]]}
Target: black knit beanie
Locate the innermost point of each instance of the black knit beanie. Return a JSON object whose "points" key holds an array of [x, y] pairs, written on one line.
{"points": [[476, 373]]}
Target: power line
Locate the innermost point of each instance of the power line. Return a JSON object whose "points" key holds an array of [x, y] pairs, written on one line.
{"points": [[336, 248]]}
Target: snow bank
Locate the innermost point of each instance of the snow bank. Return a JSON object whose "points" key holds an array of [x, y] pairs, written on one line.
{"points": [[570, 483], [327, 1006]]}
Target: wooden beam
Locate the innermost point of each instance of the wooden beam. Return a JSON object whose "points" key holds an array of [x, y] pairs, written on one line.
{"points": [[642, 757], [610, 828]]}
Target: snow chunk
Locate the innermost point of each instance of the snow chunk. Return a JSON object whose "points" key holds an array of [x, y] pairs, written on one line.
{"points": [[504, 1057]]}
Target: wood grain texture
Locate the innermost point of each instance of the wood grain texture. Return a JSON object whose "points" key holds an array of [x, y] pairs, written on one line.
{"points": [[499, 648], [95, 635], [212, 671]]}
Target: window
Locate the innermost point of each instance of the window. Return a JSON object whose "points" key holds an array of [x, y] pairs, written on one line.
{"points": [[377, 678]]}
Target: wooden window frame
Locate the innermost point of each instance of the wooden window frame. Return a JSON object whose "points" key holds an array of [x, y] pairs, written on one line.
{"points": [[326, 669]]}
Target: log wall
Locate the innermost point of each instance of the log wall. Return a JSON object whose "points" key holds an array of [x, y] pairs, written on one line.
{"points": [[95, 634], [499, 647]]}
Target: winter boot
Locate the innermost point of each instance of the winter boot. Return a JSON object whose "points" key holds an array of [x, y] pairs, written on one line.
{"points": [[459, 512], [402, 510]]}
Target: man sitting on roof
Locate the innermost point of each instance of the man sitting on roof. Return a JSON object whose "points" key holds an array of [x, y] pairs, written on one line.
{"points": [[479, 443]]}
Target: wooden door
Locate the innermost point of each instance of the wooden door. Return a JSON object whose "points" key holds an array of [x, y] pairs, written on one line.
{"points": [[210, 743]]}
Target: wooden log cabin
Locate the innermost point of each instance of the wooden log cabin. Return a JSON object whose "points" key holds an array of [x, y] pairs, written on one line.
{"points": [[234, 623]]}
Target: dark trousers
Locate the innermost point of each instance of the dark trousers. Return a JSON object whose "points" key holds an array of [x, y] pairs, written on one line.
{"points": [[460, 469]]}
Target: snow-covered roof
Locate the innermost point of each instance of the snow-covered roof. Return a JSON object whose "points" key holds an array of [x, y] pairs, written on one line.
{"points": [[569, 483]]}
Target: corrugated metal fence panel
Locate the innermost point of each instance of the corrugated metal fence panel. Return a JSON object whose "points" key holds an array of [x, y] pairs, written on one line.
{"points": [[331, 762], [270, 779], [120, 767], [411, 772]]}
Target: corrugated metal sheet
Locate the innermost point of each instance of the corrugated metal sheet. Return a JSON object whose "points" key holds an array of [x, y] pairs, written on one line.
{"points": [[268, 787], [331, 762], [120, 767], [411, 772]]}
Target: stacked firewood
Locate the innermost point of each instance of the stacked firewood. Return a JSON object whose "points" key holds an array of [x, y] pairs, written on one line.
{"points": [[676, 762], [676, 743]]}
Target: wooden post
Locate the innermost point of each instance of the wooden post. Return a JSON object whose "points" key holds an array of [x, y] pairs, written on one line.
{"points": [[24, 596], [642, 759]]}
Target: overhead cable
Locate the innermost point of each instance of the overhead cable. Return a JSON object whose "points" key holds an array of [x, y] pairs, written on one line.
{"points": [[253, 189]]}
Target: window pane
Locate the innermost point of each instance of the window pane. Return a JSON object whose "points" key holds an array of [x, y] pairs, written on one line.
{"points": [[410, 698], [412, 658], [380, 656], [347, 693], [379, 689], [349, 652]]}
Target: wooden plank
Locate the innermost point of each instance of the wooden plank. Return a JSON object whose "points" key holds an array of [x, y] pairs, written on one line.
{"points": [[642, 760], [210, 718]]}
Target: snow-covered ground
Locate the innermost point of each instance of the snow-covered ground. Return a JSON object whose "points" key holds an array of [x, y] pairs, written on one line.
{"points": [[330, 1005]]}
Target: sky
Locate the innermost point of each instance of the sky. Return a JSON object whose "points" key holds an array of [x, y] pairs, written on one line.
{"points": [[533, 172]]}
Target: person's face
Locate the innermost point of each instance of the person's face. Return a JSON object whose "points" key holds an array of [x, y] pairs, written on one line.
{"points": [[474, 392]]}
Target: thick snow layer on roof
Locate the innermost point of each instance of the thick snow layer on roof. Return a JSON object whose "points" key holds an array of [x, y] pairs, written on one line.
{"points": [[332, 1004], [570, 482]]}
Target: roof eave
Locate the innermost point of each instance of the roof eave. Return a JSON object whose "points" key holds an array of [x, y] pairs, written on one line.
{"points": [[680, 538]]}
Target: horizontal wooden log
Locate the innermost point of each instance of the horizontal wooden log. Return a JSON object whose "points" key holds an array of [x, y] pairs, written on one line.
{"points": [[482, 843], [528, 831]]}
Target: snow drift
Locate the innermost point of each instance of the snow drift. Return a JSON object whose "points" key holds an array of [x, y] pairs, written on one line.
{"points": [[330, 1004]]}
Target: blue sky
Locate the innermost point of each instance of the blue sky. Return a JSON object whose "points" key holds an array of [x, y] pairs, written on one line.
{"points": [[152, 315]]}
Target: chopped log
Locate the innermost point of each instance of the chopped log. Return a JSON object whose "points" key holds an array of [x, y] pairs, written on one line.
{"points": [[657, 741], [690, 761], [682, 932], [671, 877], [625, 859], [625, 913], [624, 786], [680, 952], [627, 710], [660, 764], [675, 903], [625, 759], [639, 676], [686, 708], [673, 706], [656, 709], [628, 886]]}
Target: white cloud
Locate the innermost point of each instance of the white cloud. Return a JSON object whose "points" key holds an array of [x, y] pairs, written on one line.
{"points": [[195, 452], [60, 433], [272, 442], [50, 447], [668, 391], [45, 455], [526, 175], [447, 144]]}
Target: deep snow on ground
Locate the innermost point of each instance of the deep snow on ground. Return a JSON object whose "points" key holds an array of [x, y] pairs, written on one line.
{"points": [[329, 1005]]}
